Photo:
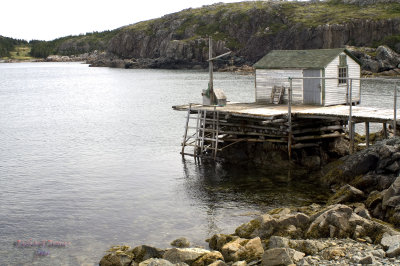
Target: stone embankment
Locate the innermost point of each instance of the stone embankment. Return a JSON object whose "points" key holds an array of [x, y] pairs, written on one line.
{"points": [[344, 232]]}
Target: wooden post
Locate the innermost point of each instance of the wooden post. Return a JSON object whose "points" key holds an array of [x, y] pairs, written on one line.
{"points": [[350, 124], [186, 130], [367, 133], [210, 70], [290, 119], [216, 135], [395, 111], [385, 134], [197, 144]]}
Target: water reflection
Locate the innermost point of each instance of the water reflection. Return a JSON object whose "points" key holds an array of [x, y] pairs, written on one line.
{"points": [[217, 186]]}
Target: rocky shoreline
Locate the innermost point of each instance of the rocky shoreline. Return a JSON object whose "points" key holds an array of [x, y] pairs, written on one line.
{"points": [[349, 230], [358, 225], [380, 61]]}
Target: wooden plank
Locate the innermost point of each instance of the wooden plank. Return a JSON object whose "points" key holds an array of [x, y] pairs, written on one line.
{"points": [[317, 129], [367, 133], [323, 136]]}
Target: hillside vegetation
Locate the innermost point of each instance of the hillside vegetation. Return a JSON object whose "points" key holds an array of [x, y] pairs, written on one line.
{"points": [[249, 29]]}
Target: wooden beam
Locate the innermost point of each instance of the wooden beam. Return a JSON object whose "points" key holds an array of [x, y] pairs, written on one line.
{"points": [[323, 136]]}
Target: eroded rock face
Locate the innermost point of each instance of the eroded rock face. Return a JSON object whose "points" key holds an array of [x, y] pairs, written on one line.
{"points": [[374, 174]]}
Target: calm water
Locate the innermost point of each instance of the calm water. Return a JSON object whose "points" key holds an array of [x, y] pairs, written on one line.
{"points": [[91, 156]]}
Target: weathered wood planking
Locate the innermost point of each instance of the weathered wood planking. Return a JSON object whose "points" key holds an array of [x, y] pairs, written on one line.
{"points": [[359, 113]]}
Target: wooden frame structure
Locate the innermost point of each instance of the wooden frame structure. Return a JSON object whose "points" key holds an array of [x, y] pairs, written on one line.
{"points": [[290, 125]]}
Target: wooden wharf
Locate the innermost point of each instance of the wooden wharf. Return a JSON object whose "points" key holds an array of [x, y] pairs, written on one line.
{"points": [[297, 126]]}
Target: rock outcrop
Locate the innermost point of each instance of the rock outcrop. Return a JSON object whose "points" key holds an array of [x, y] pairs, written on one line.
{"points": [[373, 175], [250, 30]]}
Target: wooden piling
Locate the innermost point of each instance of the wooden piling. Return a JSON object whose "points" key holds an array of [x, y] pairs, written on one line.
{"points": [[367, 133], [186, 130], [385, 133], [350, 123]]}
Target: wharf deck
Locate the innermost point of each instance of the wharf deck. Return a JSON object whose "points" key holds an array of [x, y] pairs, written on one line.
{"points": [[272, 111]]}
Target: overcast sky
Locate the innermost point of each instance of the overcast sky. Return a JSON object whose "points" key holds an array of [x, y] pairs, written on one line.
{"points": [[50, 19]]}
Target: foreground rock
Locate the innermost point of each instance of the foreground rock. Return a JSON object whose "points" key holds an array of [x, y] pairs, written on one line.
{"points": [[373, 175], [311, 235]]}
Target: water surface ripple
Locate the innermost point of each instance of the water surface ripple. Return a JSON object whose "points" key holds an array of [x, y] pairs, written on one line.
{"points": [[90, 156]]}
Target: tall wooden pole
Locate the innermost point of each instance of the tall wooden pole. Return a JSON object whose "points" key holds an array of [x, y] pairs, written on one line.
{"points": [[351, 125], [210, 69]]}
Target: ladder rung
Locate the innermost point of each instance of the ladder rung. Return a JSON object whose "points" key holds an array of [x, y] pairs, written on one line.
{"points": [[189, 144]]}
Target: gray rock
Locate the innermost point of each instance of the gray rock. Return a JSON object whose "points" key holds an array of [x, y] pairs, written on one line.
{"points": [[145, 252], [390, 240], [394, 167], [240, 263], [217, 241], [393, 251], [367, 260], [242, 249], [363, 212], [156, 262], [331, 222], [281, 256], [278, 242], [115, 260], [346, 194], [186, 255], [392, 191], [181, 242], [208, 258], [218, 263], [308, 246], [388, 56], [379, 253]]}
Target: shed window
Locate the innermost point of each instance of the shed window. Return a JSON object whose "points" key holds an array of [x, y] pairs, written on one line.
{"points": [[342, 75]]}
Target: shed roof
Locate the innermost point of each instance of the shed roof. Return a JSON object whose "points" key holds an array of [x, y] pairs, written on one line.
{"points": [[317, 58]]}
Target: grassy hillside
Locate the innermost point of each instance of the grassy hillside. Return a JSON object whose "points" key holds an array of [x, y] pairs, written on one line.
{"points": [[233, 23]]}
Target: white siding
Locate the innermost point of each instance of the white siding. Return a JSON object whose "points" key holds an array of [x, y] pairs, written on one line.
{"points": [[335, 94], [267, 78]]}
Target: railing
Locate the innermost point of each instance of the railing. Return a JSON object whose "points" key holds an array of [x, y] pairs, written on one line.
{"points": [[349, 101]]}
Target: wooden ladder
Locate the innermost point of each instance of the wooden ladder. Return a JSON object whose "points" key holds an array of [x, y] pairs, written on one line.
{"points": [[205, 135], [277, 94]]}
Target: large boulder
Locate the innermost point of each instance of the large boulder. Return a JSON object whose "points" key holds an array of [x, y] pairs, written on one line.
{"points": [[338, 221], [347, 194], [115, 260], [145, 252], [243, 250], [186, 255], [388, 57], [284, 224], [181, 242], [217, 241], [208, 258], [281, 256], [156, 262], [391, 202]]}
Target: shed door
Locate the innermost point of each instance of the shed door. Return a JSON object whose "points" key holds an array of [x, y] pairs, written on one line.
{"points": [[312, 87]]}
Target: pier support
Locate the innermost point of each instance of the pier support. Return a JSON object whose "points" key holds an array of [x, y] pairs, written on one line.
{"points": [[290, 131], [367, 133]]}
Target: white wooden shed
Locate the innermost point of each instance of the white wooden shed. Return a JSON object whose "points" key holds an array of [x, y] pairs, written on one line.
{"points": [[277, 66]]}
